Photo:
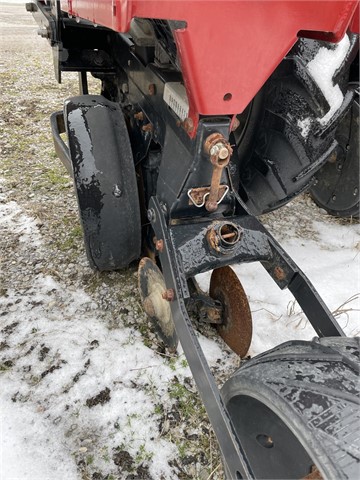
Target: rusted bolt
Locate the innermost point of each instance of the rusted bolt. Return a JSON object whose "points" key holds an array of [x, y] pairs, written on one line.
{"points": [[225, 235], [332, 158], [139, 116], [159, 245], [147, 128], [279, 273], [235, 124], [168, 295], [188, 125], [152, 89], [220, 150]]}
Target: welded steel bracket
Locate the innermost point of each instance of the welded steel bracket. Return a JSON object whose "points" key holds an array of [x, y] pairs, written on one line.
{"points": [[191, 248]]}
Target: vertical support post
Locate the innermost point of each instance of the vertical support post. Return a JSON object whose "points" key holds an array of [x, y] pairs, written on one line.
{"points": [[83, 83]]}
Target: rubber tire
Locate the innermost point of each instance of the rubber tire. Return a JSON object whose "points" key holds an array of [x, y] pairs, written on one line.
{"points": [[336, 189], [298, 405], [281, 144], [104, 180]]}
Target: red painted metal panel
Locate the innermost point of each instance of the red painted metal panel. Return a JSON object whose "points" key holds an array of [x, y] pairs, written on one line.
{"points": [[355, 22], [229, 47]]}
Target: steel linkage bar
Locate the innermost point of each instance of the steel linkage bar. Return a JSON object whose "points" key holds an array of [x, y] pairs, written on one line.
{"points": [[286, 273]]}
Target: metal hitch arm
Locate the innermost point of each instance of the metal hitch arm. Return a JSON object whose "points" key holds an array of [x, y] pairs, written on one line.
{"points": [[185, 242]]}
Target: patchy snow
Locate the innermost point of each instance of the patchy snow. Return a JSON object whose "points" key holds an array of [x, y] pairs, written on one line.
{"points": [[322, 68], [304, 126], [331, 261], [73, 373]]}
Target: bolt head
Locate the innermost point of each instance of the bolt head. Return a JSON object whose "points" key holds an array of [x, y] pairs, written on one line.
{"points": [[214, 150], [151, 215], [159, 245], [223, 153], [168, 295], [220, 151]]}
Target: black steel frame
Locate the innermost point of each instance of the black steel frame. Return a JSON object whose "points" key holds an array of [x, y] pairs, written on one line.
{"points": [[179, 241]]}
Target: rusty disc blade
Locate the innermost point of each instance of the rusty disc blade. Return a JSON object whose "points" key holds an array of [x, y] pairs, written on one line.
{"points": [[151, 288], [236, 326]]}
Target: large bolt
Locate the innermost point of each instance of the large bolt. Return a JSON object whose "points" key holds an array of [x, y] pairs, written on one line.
{"points": [[151, 214], [168, 295], [147, 128], [159, 245], [220, 151], [279, 273], [188, 125]]}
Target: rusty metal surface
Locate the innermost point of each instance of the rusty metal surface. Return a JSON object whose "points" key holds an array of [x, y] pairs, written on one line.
{"points": [[196, 256], [197, 196], [223, 235], [314, 474], [155, 298], [202, 305], [219, 150], [236, 329]]}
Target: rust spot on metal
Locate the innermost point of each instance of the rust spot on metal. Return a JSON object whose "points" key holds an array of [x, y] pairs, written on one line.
{"points": [[279, 273], [314, 474], [147, 128], [197, 194], [333, 157], [168, 295], [219, 150], [152, 89], [235, 124], [223, 235], [236, 326], [159, 245], [139, 116], [188, 125], [213, 239]]}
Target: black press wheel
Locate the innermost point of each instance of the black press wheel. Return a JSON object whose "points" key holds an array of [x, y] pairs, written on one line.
{"points": [[105, 181], [296, 410], [337, 188]]}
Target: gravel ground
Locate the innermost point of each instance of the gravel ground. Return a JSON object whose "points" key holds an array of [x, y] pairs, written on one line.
{"points": [[41, 253]]}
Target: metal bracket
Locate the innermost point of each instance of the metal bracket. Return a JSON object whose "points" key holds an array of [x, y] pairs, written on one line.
{"points": [[187, 251], [205, 192]]}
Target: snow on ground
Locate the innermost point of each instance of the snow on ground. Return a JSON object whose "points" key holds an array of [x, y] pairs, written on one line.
{"points": [[64, 354], [71, 372], [331, 261]]}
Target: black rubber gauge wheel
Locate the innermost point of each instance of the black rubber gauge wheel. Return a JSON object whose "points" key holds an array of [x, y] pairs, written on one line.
{"points": [[295, 410]]}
